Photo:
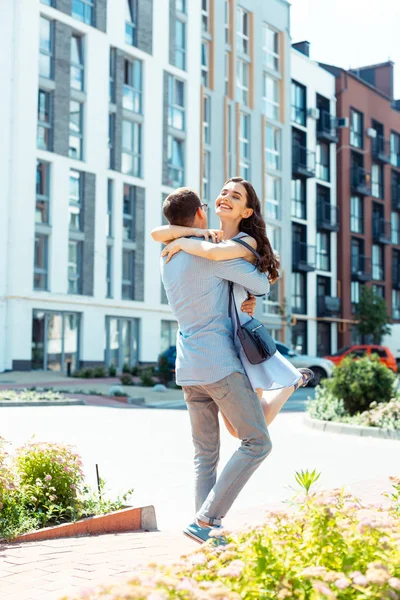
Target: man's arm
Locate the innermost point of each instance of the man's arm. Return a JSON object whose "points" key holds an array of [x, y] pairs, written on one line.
{"points": [[242, 272]]}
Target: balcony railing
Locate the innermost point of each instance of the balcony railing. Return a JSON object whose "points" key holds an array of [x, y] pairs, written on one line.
{"points": [[361, 181], [396, 276], [327, 216], [328, 306], [381, 149], [303, 161], [361, 268], [304, 257], [396, 196], [381, 231], [326, 127]]}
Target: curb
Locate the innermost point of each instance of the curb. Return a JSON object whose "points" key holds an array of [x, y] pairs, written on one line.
{"points": [[128, 519], [346, 429], [44, 403]]}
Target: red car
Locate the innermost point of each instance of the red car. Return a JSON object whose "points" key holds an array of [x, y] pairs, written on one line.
{"points": [[358, 351]]}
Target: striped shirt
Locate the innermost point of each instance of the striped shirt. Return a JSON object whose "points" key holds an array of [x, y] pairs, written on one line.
{"points": [[198, 293]]}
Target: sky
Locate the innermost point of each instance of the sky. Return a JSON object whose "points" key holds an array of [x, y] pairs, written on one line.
{"points": [[349, 33]]}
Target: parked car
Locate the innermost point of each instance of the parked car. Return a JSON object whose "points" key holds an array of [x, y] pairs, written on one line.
{"points": [[358, 351], [321, 367]]}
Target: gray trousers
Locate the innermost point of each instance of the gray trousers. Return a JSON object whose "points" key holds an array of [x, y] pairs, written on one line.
{"points": [[236, 399]]}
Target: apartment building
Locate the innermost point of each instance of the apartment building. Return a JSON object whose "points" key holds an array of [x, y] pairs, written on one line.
{"points": [[245, 77], [315, 306], [368, 193], [101, 111]]}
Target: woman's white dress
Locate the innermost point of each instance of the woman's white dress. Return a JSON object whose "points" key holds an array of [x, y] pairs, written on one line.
{"points": [[273, 374]]}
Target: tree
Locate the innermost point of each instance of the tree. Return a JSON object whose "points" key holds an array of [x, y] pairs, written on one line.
{"points": [[372, 316]]}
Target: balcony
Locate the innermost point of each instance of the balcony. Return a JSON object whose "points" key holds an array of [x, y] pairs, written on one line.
{"points": [[328, 306], [396, 276], [361, 181], [381, 231], [303, 162], [361, 268], [381, 149], [304, 257], [396, 196], [327, 216], [326, 127]]}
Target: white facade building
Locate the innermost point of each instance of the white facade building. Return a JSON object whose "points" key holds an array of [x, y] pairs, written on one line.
{"points": [[315, 304], [83, 173]]}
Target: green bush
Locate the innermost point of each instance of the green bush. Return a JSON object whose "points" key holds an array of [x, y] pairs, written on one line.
{"points": [[99, 372], [112, 371], [135, 370], [360, 382], [126, 368], [146, 378], [326, 406], [163, 369], [126, 379], [85, 373]]}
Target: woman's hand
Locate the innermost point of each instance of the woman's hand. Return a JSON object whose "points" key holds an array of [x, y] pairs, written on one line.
{"points": [[249, 306], [216, 235], [172, 248]]}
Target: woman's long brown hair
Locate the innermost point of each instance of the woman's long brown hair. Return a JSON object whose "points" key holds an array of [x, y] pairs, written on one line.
{"points": [[254, 226]]}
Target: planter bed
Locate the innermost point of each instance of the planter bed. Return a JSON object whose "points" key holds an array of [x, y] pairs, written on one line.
{"points": [[350, 429]]}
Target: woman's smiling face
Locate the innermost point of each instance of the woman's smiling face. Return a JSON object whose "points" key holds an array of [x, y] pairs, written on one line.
{"points": [[232, 202]]}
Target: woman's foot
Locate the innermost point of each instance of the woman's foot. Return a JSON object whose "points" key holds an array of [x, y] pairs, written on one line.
{"points": [[306, 376]]}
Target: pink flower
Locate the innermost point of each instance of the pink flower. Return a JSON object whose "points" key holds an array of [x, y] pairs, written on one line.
{"points": [[234, 569], [321, 587], [198, 559], [48, 478], [342, 583], [186, 585], [52, 498], [394, 582], [67, 469]]}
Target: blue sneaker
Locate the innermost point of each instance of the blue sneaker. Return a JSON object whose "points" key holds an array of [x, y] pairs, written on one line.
{"points": [[200, 534]]}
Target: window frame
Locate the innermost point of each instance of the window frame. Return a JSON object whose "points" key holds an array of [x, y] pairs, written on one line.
{"points": [[273, 154], [205, 63], [128, 283], [395, 227], [134, 153], [75, 277], [180, 169], [378, 268], [130, 90], [43, 198], [299, 290], [78, 66], [176, 112], [377, 186], [89, 8], [267, 29], [180, 49], [205, 16], [322, 158], [274, 203], [395, 149], [299, 202], [49, 54], [110, 209], [243, 81], [245, 143], [128, 218], [298, 112], [242, 36], [77, 135], [131, 25], [323, 251], [47, 126], [356, 220], [271, 107], [41, 272], [75, 203], [356, 136], [207, 119], [396, 305]]}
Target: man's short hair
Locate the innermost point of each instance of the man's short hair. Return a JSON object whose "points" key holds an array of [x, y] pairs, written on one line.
{"points": [[180, 207]]}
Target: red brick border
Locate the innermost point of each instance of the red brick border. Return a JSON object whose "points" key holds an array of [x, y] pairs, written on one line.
{"points": [[128, 519]]}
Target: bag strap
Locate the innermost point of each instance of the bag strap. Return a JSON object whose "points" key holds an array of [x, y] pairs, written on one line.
{"points": [[246, 245], [232, 301]]}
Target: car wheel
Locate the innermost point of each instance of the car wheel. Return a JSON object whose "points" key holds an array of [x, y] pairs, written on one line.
{"points": [[319, 375]]}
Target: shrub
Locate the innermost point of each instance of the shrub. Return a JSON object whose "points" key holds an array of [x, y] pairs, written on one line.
{"points": [[326, 406], [126, 368], [126, 379], [135, 370], [360, 382], [163, 369], [328, 546], [386, 416], [99, 372], [85, 373], [50, 476], [112, 371], [146, 378]]}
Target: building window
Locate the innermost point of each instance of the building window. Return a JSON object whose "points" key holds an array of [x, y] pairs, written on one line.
{"points": [[242, 82], [299, 337], [377, 181], [299, 204], [271, 99], [75, 267], [55, 341], [133, 85], [130, 22], [176, 103], [242, 32], [205, 15], [111, 140], [378, 271], [44, 129], [357, 255], [226, 22], [395, 149], [128, 267], [298, 108], [273, 148], [122, 342], [109, 270], [379, 290], [180, 44], [42, 192], [356, 129], [207, 120], [110, 204], [46, 48], [176, 161], [274, 236], [322, 159], [41, 261], [206, 176], [395, 226], [323, 251], [299, 297], [227, 59], [75, 201], [273, 200], [83, 10], [356, 214], [169, 329], [271, 304], [355, 295], [270, 48], [129, 213], [77, 63], [75, 130], [396, 305], [131, 148], [205, 63], [111, 90], [244, 146]]}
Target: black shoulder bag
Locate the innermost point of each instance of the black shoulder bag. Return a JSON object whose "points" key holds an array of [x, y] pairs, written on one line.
{"points": [[256, 342]]}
